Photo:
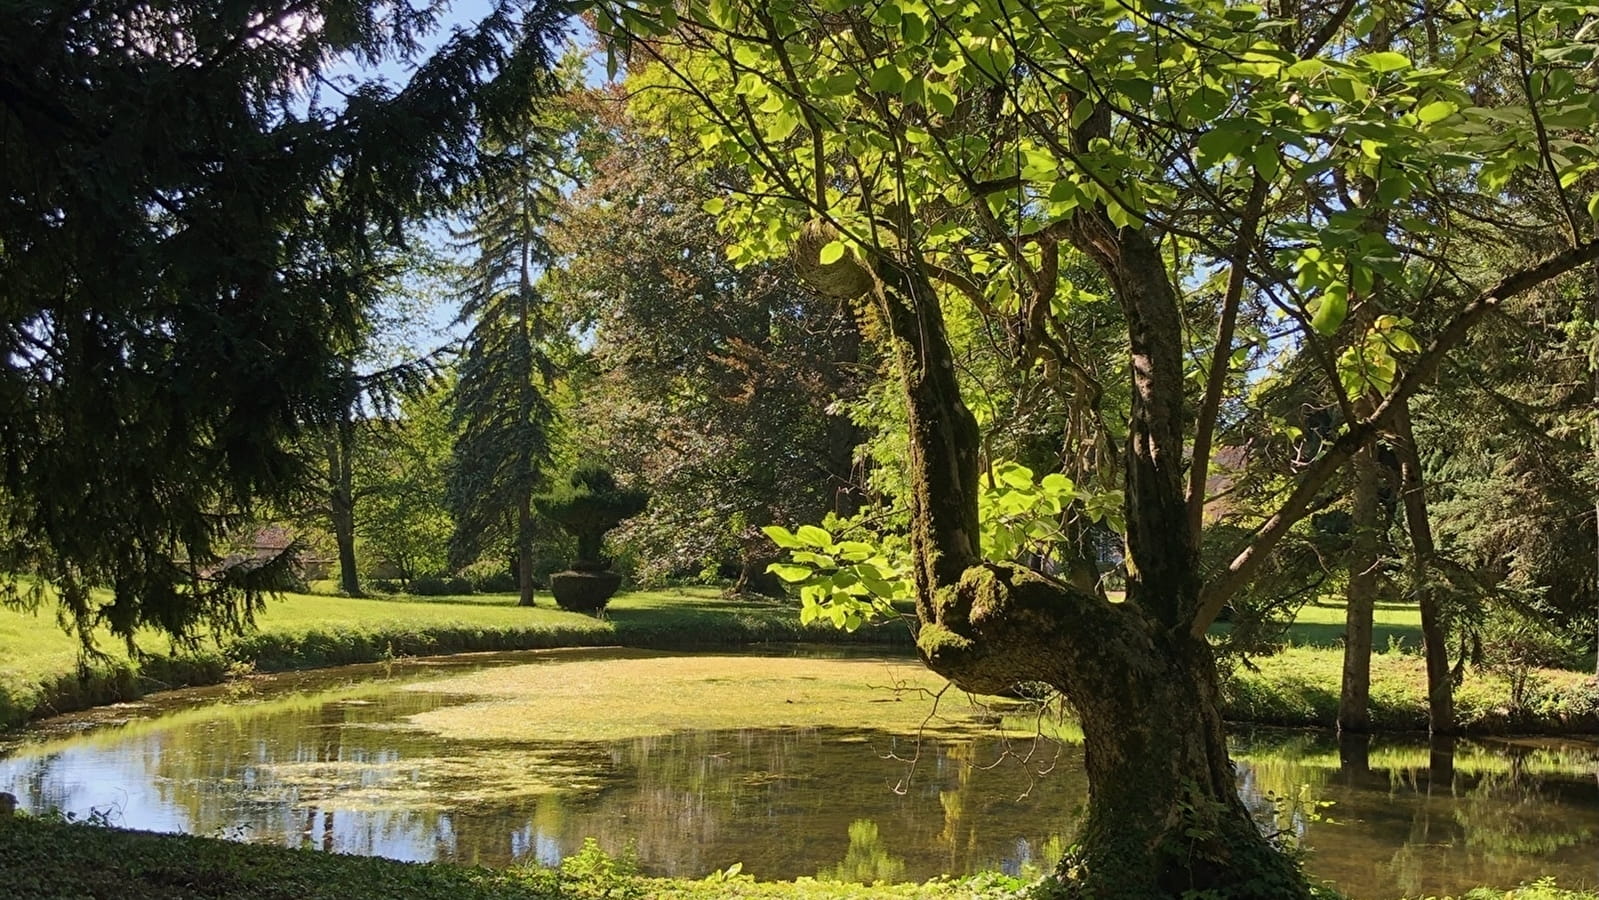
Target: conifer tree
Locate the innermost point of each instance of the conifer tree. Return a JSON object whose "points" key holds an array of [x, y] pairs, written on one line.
{"points": [[187, 193], [503, 413]]}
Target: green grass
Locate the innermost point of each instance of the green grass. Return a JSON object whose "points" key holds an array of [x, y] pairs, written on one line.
{"points": [[41, 860], [1321, 624], [38, 661], [1296, 687], [1300, 686], [44, 861]]}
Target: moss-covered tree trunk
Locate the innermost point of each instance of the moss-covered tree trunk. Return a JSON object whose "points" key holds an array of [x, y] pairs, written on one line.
{"points": [[1164, 815]]}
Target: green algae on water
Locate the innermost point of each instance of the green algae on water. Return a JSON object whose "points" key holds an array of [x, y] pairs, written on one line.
{"points": [[656, 695]]}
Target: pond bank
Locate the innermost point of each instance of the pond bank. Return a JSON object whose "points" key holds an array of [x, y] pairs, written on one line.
{"points": [[1298, 687], [42, 860], [39, 675]]}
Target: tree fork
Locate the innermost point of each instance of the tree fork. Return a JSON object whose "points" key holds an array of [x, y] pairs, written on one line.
{"points": [[1164, 815]]}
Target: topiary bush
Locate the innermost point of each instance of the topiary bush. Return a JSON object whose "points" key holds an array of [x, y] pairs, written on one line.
{"points": [[587, 506]]}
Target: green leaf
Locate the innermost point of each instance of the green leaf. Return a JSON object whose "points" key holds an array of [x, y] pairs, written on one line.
{"points": [[913, 29], [832, 252], [1224, 140], [782, 125], [1315, 120], [815, 537], [939, 97], [855, 551], [1056, 483], [790, 574], [840, 85], [714, 206], [1436, 111], [1332, 310], [1266, 160], [1019, 477], [782, 537], [1403, 341], [1593, 207], [1384, 61], [887, 80]]}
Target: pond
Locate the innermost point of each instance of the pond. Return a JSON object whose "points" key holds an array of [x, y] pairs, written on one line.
{"points": [[832, 765]]}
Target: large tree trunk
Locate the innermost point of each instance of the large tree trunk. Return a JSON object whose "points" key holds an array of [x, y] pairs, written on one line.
{"points": [[524, 551], [1164, 815], [1440, 688], [1354, 701]]}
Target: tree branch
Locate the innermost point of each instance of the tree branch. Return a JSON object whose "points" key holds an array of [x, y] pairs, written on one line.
{"points": [[1215, 594], [1221, 359]]}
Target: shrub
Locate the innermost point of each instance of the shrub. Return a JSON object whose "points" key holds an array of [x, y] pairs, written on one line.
{"points": [[491, 576], [590, 504]]}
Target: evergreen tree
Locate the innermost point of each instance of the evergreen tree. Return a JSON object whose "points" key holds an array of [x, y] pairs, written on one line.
{"points": [[178, 212], [503, 414]]}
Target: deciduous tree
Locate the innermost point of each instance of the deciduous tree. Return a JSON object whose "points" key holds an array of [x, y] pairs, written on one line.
{"points": [[921, 153]]}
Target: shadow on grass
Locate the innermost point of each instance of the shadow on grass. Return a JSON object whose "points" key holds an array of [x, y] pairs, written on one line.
{"points": [[1315, 634]]}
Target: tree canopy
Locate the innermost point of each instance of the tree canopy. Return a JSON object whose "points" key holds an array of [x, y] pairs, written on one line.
{"points": [[187, 193], [1255, 186]]}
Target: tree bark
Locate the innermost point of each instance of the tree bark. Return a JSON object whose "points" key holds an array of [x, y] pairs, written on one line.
{"points": [[1440, 688], [524, 551], [341, 503], [1164, 816], [1354, 700]]}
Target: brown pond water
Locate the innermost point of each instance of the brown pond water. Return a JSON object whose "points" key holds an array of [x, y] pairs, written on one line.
{"points": [[332, 760]]}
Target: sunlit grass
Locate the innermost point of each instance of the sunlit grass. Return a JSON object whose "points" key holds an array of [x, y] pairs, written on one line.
{"points": [[1298, 686], [38, 659]]}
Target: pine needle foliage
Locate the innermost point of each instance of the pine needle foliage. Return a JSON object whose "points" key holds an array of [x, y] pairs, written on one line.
{"points": [[503, 414], [188, 200]]}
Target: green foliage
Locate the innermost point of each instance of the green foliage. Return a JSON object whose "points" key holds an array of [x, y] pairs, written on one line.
{"points": [[1299, 687], [503, 415], [42, 860], [587, 506], [719, 386], [849, 573], [848, 580], [401, 473], [178, 289]]}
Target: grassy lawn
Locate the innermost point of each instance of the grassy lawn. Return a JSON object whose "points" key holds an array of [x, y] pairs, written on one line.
{"points": [[1300, 686], [38, 660], [44, 861], [1296, 687], [1321, 624]]}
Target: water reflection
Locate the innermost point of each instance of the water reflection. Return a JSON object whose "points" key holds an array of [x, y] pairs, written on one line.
{"points": [[343, 771]]}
